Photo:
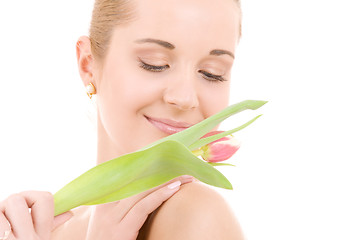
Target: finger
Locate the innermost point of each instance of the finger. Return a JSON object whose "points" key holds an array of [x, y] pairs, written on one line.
{"points": [[60, 219], [140, 211], [16, 210], [42, 211], [118, 209], [126, 204], [4, 225], [184, 179]]}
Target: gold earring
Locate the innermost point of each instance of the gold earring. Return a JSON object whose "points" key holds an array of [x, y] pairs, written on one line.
{"points": [[90, 90]]}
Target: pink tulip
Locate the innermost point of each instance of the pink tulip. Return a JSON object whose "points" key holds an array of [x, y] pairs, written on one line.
{"points": [[219, 150]]}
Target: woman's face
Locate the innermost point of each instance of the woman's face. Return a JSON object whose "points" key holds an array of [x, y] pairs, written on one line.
{"points": [[173, 62]]}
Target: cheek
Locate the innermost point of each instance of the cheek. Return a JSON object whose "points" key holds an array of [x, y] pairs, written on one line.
{"points": [[215, 99], [121, 89], [122, 96], [129, 85]]}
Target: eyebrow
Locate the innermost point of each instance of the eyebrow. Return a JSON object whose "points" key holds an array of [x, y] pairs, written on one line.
{"points": [[218, 52], [157, 41], [215, 52]]}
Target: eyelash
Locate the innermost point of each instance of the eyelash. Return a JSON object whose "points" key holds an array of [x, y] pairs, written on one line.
{"points": [[211, 77], [153, 68], [208, 76]]}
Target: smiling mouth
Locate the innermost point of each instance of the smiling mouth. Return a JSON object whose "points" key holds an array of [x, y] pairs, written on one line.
{"points": [[166, 128]]}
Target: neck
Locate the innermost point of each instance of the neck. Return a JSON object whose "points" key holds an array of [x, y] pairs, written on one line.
{"points": [[107, 149]]}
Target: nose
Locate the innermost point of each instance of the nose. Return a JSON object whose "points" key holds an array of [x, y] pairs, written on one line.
{"points": [[182, 94]]}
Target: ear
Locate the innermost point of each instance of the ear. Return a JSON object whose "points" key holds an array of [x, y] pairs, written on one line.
{"points": [[85, 60]]}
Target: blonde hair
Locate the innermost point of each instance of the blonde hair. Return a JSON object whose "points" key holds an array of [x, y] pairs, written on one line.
{"points": [[110, 13]]}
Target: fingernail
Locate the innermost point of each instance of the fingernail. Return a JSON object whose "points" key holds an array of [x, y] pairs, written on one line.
{"points": [[174, 185], [187, 176]]}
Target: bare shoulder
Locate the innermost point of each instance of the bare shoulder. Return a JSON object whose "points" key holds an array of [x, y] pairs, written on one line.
{"points": [[76, 227], [196, 211]]}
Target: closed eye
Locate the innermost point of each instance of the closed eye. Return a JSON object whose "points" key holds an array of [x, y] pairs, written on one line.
{"points": [[212, 77], [155, 68], [152, 68]]}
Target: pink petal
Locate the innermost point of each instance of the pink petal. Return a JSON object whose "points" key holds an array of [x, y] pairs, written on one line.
{"points": [[221, 150]]}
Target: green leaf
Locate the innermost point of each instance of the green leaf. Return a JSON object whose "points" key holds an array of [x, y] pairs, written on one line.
{"points": [[151, 166], [195, 132], [201, 142], [214, 164], [134, 173]]}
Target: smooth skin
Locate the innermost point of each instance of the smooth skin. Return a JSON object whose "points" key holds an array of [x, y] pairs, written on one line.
{"points": [[139, 78]]}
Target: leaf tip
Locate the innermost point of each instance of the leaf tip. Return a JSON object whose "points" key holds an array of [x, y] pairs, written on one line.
{"points": [[255, 104]]}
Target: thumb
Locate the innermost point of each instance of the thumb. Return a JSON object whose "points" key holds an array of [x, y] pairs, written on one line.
{"points": [[61, 218]]}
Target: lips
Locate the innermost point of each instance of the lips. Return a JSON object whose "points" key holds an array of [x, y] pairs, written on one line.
{"points": [[168, 126]]}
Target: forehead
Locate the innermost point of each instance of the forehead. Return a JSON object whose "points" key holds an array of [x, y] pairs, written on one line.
{"points": [[211, 21]]}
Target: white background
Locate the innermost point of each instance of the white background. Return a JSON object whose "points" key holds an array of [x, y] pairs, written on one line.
{"points": [[287, 183]]}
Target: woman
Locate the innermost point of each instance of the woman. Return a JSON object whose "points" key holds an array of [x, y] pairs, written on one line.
{"points": [[156, 68]]}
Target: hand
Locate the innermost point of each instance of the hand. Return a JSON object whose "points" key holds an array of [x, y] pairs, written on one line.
{"points": [[29, 215], [122, 220]]}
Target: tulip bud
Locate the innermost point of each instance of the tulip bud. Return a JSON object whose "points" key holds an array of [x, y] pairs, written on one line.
{"points": [[221, 149]]}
